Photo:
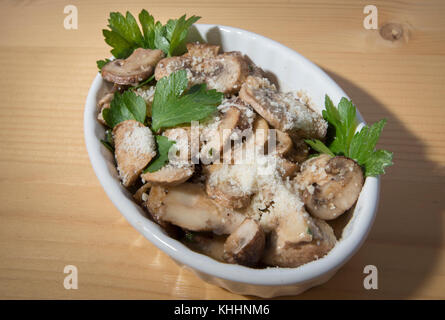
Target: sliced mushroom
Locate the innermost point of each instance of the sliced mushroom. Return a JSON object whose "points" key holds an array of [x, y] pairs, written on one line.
{"points": [[245, 245], [134, 149], [104, 103], [138, 67], [172, 64], [182, 147], [287, 168], [230, 185], [141, 195], [168, 175], [203, 50], [189, 207], [179, 169], [283, 111], [219, 137], [261, 132], [283, 143], [224, 72], [282, 251], [330, 186]]}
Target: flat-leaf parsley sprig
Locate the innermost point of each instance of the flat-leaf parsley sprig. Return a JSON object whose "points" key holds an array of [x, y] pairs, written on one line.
{"points": [[358, 146], [124, 35], [173, 104]]}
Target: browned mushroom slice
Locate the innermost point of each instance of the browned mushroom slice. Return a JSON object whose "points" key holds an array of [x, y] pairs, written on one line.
{"points": [[179, 169], [173, 64], [224, 72], [188, 206], [134, 149], [245, 245], [330, 186], [261, 132], [287, 168], [283, 143], [168, 175], [230, 185], [104, 103], [283, 111], [203, 50], [138, 67], [281, 251], [141, 194], [182, 138], [218, 137]]}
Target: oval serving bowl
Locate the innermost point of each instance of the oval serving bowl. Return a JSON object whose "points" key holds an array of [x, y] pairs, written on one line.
{"points": [[291, 72]]}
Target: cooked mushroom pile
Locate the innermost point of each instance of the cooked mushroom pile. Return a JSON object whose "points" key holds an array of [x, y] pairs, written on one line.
{"points": [[274, 208]]}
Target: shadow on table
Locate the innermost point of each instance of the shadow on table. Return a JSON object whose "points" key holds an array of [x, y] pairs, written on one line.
{"points": [[404, 241]]}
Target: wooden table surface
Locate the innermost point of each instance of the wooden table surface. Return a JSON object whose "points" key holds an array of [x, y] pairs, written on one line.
{"points": [[55, 213]]}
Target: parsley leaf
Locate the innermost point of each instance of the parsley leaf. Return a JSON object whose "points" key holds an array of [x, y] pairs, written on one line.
{"points": [[143, 83], [126, 106], [358, 146], [319, 146], [177, 33], [344, 122], [125, 35], [108, 141], [101, 63], [362, 150], [161, 158], [173, 104]]}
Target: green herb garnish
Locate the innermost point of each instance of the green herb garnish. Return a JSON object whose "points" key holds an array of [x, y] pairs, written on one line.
{"points": [[101, 63], [358, 146], [125, 106], [143, 83], [173, 104], [161, 158], [125, 35], [108, 141]]}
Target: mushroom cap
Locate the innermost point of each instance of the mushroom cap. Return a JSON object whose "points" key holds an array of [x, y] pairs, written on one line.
{"points": [[245, 245], [332, 185], [104, 103], [296, 254], [224, 72], [138, 67], [134, 148], [282, 110]]}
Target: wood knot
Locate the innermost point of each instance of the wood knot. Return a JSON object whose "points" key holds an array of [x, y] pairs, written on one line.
{"points": [[391, 31]]}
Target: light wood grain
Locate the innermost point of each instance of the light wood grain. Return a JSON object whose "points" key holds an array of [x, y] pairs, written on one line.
{"points": [[55, 213]]}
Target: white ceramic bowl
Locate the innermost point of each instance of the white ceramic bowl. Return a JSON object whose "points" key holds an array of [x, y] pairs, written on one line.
{"points": [[293, 72]]}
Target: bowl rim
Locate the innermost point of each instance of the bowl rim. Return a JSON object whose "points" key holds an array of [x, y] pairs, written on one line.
{"points": [[271, 276]]}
